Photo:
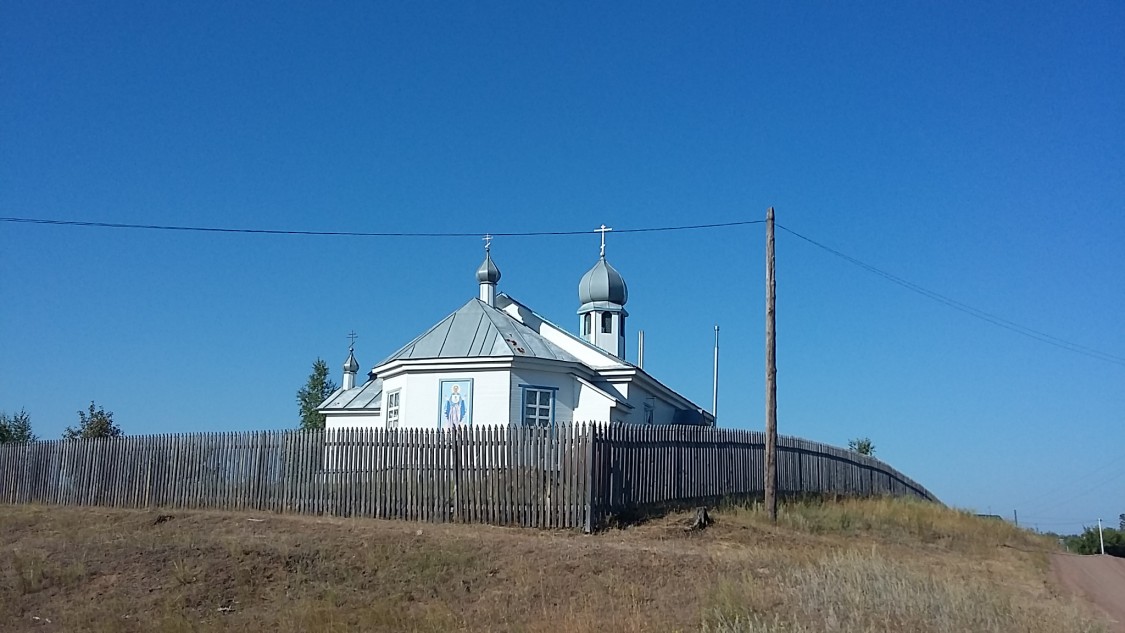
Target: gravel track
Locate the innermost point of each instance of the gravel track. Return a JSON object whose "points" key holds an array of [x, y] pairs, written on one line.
{"points": [[1099, 579]]}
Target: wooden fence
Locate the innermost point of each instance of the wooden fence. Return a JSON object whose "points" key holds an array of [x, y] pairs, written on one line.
{"points": [[573, 476]]}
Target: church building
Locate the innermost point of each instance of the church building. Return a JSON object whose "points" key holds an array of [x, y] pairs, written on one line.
{"points": [[496, 361]]}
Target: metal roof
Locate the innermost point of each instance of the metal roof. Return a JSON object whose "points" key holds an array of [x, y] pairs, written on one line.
{"points": [[351, 365], [488, 272], [603, 283], [366, 396], [478, 330]]}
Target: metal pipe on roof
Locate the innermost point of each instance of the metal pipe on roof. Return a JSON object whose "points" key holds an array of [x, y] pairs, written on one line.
{"points": [[641, 349]]}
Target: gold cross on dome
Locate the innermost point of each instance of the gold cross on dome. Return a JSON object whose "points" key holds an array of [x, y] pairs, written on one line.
{"points": [[603, 230]]}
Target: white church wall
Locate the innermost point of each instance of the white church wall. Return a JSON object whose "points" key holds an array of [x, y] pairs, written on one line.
{"points": [[356, 420], [421, 404], [663, 412], [564, 384], [592, 405]]}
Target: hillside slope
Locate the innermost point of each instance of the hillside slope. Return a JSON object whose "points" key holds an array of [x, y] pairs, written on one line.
{"points": [[841, 566]]}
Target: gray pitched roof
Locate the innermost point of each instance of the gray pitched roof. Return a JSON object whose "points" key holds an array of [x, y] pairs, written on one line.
{"points": [[366, 396], [478, 330]]}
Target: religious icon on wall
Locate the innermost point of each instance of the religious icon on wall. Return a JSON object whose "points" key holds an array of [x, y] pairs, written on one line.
{"points": [[456, 403]]}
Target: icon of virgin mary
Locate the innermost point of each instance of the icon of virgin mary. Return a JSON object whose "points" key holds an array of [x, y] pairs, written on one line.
{"points": [[454, 411]]}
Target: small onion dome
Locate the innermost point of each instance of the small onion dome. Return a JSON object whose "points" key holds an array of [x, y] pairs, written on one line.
{"points": [[351, 365], [603, 283], [488, 273]]}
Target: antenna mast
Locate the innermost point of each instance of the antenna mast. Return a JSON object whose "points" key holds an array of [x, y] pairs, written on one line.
{"points": [[715, 381]]}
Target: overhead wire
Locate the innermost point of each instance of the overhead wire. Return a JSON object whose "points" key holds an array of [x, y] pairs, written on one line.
{"points": [[998, 321], [1075, 486], [214, 229], [1032, 520]]}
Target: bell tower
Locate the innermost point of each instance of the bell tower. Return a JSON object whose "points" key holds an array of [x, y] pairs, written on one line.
{"points": [[602, 294]]}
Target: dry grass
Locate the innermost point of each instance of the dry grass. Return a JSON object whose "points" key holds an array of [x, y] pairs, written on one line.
{"points": [[866, 592], [846, 565], [894, 520]]}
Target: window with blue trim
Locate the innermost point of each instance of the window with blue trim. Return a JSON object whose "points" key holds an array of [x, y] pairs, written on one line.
{"points": [[538, 407]]}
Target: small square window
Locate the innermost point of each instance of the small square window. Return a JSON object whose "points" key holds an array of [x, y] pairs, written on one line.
{"points": [[538, 407]]}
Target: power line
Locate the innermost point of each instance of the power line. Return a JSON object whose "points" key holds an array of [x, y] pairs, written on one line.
{"points": [[1026, 519], [1044, 498], [214, 229], [952, 303], [1042, 337]]}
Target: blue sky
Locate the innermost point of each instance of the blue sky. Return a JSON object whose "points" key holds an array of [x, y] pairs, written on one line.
{"points": [[974, 149]]}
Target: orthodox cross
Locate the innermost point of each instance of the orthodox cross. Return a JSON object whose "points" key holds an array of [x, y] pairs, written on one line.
{"points": [[352, 336], [603, 230], [487, 242]]}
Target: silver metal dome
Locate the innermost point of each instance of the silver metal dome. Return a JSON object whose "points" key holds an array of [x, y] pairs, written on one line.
{"points": [[488, 273], [603, 284], [351, 365]]}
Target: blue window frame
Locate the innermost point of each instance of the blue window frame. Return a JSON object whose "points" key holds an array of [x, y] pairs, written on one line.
{"points": [[538, 406]]}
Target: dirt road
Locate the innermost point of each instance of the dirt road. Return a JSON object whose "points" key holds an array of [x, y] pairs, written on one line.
{"points": [[1099, 579]]}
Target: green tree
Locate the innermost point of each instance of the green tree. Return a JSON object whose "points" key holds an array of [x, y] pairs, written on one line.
{"points": [[97, 422], [315, 391], [16, 428], [1121, 521], [862, 445], [1088, 542]]}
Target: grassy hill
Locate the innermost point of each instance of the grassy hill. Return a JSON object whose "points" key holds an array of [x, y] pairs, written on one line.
{"points": [[850, 565]]}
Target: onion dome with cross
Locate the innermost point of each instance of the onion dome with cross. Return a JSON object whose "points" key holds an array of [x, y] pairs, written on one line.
{"points": [[602, 293]]}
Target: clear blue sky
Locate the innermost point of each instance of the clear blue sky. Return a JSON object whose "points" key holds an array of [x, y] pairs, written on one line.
{"points": [[975, 149]]}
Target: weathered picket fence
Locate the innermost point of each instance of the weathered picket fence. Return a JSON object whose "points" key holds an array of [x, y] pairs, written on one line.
{"points": [[572, 476]]}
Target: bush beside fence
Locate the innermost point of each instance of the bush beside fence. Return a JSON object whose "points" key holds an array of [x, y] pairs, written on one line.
{"points": [[572, 476]]}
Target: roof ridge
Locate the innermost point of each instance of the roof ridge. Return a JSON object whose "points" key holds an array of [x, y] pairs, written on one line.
{"points": [[421, 336], [519, 338], [555, 348], [568, 333]]}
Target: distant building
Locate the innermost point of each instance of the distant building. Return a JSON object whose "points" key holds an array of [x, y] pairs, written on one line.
{"points": [[495, 361]]}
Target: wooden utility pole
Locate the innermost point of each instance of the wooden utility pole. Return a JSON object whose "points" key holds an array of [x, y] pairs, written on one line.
{"points": [[771, 377]]}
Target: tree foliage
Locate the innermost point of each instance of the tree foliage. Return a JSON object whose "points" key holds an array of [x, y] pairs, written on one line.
{"points": [[862, 445], [94, 423], [1088, 542], [318, 387], [16, 428]]}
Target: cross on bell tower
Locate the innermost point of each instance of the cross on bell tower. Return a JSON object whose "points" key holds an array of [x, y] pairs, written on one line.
{"points": [[603, 230]]}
